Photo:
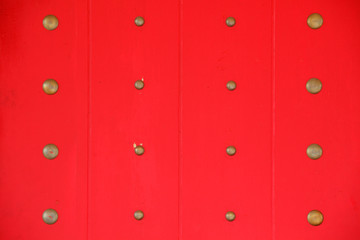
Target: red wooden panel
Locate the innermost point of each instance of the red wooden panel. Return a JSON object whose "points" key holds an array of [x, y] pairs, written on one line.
{"points": [[330, 118], [30, 119], [214, 118], [120, 181], [184, 118]]}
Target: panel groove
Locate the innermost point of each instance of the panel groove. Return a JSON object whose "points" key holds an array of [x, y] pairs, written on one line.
{"points": [[180, 123], [273, 80]]}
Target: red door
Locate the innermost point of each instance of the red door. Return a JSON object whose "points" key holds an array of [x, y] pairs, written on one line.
{"points": [[180, 119]]}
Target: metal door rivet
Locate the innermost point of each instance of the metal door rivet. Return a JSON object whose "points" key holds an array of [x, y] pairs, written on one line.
{"points": [[139, 84], [230, 21], [230, 216], [50, 86], [313, 85], [231, 85], [139, 150], [50, 216], [315, 21], [315, 217], [50, 22], [139, 21], [231, 150], [50, 151], [314, 151], [138, 215]]}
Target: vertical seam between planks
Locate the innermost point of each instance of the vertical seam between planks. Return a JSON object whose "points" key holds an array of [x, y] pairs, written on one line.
{"points": [[89, 5], [180, 148], [273, 80]]}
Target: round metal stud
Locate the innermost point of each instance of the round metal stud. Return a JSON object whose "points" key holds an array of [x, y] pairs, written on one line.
{"points": [[50, 22], [315, 21], [50, 151], [139, 21], [50, 86], [230, 216], [315, 217], [138, 215], [231, 85], [50, 216], [230, 21], [139, 150], [314, 151], [314, 86], [139, 84], [231, 150]]}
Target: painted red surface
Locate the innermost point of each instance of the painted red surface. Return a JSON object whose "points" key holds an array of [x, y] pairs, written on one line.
{"points": [[184, 118]]}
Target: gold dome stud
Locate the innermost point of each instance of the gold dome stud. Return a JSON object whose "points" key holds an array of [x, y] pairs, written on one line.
{"points": [[314, 151], [139, 84], [139, 21], [50, 216], [313, 85], [50, 86], [230, 21], [230, 216], [315, 217], [315, 21], [50, 22], [139, 150], [50, 151], [231, 85], [231, 150], [138, 215]]}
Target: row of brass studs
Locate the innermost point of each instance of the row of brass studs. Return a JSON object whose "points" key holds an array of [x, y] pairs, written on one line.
{"points": [[230, 150], [139, 84], [230, 216], [50, 151], [314, 21], [314, 217], [139, 21], [314, 151], [313, 85], [139, 150]]}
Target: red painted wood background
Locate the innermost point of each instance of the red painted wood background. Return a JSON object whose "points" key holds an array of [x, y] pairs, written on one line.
{"points": [[184, 118]]}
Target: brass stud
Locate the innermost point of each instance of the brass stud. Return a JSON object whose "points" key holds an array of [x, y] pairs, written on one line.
{"points": [[50, 22], [139, 84], [314, 151], [50, 216], [139, 21], [230, 21], [50, 151], [139, 150], [50, 86], [138, 215], [231, 150], [314, 86], [231, 85], [315, 21], [315, 217], [230, 216]]}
